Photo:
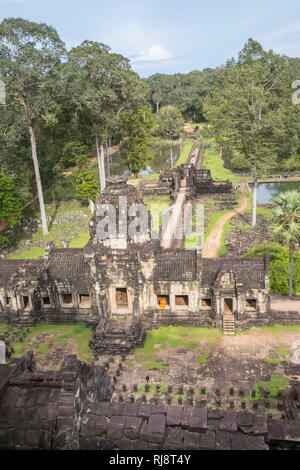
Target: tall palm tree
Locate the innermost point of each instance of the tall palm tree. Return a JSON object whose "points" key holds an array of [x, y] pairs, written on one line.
{"points": [[285, 225]]}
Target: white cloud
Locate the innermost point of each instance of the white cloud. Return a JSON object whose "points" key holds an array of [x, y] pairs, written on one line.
{"points": [[283, 32], [153, 53]]}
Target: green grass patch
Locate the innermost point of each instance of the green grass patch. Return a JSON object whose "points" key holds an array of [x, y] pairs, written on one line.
{"points": [[277, 382], [274, 360], [154, 365], [283, 351], [81, 241], [32, 253], [275, 329], [156, 206], [215, 163], [152, 388], [203, 358], [62, 334], [173, 337], [188, 145]]}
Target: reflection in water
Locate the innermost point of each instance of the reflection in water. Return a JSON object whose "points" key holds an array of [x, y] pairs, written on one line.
{"points": [[267, 191], [160, 159]]}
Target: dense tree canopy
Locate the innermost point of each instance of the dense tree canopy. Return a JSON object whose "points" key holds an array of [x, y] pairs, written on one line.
{"points": [[136, 129], [62, 108], [251, 108], [184, 91]]}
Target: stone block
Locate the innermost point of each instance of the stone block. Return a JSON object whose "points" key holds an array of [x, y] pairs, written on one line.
{"points": [[144, 411], [116, 426], [207, 440], [275, 430], [132, 427], [174, 415], [186, 416], [191, 440], [260, 426], [229, 421], [223, 440], [198, 420], [156, 428], [241, 442], [245, 421], [174, 439]]}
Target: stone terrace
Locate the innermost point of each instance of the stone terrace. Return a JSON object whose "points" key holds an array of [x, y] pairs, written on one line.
{"points": [[71, 409]]}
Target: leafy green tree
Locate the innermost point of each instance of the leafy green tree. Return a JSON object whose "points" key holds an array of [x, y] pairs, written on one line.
{"points": [[184, 91], [248, 107], [10, 204], [30, 56], [74, 153], [170, 123], [286, 225], [102, 86], [136, 129], [86, 186]]}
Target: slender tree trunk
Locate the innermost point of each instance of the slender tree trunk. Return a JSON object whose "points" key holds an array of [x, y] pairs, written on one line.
{"points": [[102, 163], [291, 271], [101, 179], [53, 195], [107, 159], [157, 107], [92, 206], [38, 177], [254, 196]]}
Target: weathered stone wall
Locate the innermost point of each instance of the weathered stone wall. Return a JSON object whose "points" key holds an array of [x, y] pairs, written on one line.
{"points": [[72, 409]]}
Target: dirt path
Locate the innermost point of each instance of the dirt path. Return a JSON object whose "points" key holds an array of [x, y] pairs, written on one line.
{"points": [[213, 242]]}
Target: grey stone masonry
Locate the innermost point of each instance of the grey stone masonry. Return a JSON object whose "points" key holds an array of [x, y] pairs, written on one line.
{"points": [[44, 410]]}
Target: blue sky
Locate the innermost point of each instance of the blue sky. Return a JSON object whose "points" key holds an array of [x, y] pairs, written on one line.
{"points": [[169, 36]]}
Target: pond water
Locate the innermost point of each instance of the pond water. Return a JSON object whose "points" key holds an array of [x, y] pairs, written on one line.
{"points": [[160, 159], [267, 191]]}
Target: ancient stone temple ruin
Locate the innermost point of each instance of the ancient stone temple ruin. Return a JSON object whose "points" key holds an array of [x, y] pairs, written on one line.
{"points": [[197, 180], [123, 286]]}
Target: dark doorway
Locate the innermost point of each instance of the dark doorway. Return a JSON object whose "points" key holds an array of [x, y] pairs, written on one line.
{"points": [[250, 304], [26, 302], [121, 297], [227, 305]]}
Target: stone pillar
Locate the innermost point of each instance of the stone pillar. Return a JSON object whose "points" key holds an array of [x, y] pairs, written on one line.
{"points": [[98, 300], [2, 352]]}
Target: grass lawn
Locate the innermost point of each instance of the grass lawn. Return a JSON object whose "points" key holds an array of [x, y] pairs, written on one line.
{"points": [[174, 336], [46, 338], [276, 383], [79, 233], [214, 162], [156, 206], [188, 145]]}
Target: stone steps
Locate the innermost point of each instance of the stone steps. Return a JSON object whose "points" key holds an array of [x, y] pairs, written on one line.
{"points": [[228, 325]]}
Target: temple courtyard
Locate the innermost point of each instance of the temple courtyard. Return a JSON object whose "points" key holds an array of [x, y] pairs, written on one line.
{"points": [[184, 365]]}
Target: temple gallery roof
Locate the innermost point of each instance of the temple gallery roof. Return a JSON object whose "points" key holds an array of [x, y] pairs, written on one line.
{"points": [[250, 272], [175, 265], [68, 264], [71, 265]]}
